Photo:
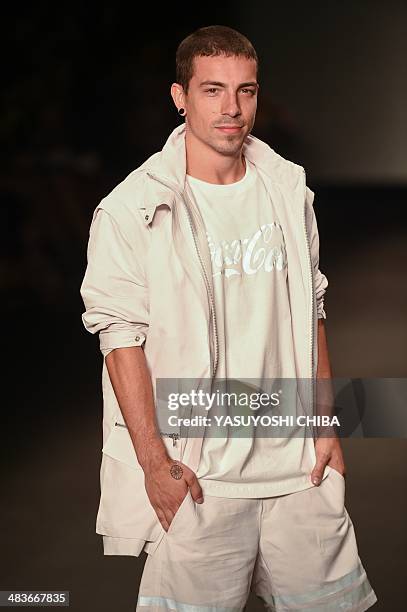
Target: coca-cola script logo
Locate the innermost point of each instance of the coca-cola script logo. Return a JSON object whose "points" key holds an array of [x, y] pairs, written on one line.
{"points": [[263, 250]]}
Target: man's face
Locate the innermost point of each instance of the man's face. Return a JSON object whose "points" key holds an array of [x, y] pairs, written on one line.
{"points": [[222, 93]]}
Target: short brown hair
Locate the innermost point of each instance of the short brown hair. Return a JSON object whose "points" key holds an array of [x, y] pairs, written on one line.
{"points": [[210, 41]]}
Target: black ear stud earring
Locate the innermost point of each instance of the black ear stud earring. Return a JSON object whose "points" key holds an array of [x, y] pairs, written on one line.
{"points": [[181, 111]]}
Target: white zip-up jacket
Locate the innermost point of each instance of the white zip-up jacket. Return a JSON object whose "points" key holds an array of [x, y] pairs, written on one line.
{"points": [[148, 283]]}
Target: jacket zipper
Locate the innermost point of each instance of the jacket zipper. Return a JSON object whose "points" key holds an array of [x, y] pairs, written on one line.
{"points": [[311, 309], [208, 288], [184, 196], [174, 436], [312, 300]]}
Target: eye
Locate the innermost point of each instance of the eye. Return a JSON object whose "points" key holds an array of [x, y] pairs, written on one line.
{"points": [[251, 91], [211, 89]]}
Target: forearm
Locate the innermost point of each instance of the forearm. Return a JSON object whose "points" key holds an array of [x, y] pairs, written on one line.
{"points": [[325, 401], [132, 385], [327, 442], [324, 367]]}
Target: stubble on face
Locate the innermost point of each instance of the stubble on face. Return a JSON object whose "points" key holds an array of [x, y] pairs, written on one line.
{"points": [[226, 144]]}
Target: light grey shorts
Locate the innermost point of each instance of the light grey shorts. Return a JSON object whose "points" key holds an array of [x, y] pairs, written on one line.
{"points": [[295, 552]]}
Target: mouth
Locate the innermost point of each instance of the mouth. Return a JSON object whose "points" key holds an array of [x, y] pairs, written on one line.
{"points": [[229, 129]]}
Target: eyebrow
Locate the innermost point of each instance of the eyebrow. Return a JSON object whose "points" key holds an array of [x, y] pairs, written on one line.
{"points": [[219, 84]]}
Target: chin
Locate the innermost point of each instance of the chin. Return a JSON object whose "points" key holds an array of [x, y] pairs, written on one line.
{"points": [[226, 146], [230, 150]]}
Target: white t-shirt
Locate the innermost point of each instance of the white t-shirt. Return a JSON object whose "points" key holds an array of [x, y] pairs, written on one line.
{"points": [[249, 268]]}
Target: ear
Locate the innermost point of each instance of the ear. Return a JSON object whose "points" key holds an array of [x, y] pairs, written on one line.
{"points": [[177, 94]]}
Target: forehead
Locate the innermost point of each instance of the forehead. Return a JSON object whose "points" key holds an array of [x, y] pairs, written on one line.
{"points": [[221, 68]]}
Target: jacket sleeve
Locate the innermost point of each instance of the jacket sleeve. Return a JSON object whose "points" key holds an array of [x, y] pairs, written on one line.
{"points": [[114, 288], [320, 280]]}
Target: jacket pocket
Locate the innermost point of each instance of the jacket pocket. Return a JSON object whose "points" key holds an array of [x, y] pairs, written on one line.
{"points": [[125, 510], [119, 446]]}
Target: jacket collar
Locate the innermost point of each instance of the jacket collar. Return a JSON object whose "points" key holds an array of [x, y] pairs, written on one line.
{"points": [[169, 164]]}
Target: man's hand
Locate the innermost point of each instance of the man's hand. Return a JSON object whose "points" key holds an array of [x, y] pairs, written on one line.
{"points": [[328, 452], [132, 384], [165, 493]]}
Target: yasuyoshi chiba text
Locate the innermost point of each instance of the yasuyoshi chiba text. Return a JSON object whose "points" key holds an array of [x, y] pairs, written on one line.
{"points": [[239, 420]]}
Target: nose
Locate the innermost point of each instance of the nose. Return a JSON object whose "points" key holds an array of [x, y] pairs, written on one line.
{"points": [[230, 105]]}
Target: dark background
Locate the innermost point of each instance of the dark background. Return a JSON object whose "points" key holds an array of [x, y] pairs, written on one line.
{"points": [[86, 98]]}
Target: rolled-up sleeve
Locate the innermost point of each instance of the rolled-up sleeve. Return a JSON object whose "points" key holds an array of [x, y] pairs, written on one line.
{"points": [[114, 289], [320, 280]]}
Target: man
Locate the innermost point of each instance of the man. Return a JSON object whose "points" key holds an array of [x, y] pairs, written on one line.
{"points": [[203, 264]]}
